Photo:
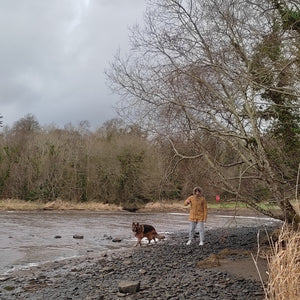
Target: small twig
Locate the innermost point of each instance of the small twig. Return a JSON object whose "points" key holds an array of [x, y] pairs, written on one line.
{"points": [[258, 271], [255, 260]]}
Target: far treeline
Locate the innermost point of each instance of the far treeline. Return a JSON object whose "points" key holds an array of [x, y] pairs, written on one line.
{"points": [[115, 164]]}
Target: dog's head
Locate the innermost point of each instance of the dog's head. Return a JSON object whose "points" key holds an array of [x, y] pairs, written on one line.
{"points": [[136, 227]]}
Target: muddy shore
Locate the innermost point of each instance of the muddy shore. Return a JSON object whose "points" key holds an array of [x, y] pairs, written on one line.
{"points": [[166, 270]]}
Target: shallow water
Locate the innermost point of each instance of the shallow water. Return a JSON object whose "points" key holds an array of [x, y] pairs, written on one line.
{"points": [[30, 238]]}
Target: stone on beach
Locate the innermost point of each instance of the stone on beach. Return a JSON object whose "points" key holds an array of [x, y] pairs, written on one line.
{"points": [[78, 236], [126, 286], [116, 240]]}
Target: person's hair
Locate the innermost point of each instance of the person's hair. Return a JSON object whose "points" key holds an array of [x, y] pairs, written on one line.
{"points": [[197, 188]]}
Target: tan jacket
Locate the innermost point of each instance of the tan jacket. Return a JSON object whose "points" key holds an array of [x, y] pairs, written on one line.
{"points": [[198, 211]]}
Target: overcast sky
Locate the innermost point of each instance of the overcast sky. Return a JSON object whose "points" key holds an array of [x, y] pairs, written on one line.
{"points": [[53, 54]]}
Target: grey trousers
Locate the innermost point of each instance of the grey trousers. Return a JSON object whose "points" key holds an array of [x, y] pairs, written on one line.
{"points": [[193, 226]]}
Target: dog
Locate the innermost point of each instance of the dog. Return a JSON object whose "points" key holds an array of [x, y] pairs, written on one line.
{"points": [[142, 230]]}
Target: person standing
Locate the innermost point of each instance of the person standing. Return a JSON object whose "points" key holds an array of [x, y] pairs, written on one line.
{"points": [[198, 214]]}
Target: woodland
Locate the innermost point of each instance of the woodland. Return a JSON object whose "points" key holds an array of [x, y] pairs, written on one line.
{"points": [[209, 97]]}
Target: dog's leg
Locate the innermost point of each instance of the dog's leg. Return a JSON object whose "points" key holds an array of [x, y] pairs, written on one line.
{"points": [[154, 237]]}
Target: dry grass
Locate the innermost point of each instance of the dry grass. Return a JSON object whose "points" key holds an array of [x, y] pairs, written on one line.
{"points": [[58, 204], [178, 205], [284, 267], [164, 205], [15, 204], [212, 261], [296, 205], [227, 252]]}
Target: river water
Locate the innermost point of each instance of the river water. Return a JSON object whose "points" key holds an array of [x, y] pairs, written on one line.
{"points": [[32, 238]]}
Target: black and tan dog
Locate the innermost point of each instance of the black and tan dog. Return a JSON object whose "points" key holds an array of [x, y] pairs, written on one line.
{"points": [[148, 231]]}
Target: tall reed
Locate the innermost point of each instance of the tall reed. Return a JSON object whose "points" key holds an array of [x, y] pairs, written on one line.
{"points": [[284, 266]]}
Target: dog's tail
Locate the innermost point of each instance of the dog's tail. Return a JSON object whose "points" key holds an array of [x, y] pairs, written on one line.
{"points": [[160, 237]]}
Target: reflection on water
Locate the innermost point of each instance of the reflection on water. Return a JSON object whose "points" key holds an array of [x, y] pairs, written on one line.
{"points": [[30, 238]]}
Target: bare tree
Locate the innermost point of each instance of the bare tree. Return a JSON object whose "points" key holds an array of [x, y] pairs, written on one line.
{"points": [[229, 70], [27, 124]]}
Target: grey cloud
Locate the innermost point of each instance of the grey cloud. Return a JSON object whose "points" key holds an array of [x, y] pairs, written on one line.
{"points": [[53, 55]]}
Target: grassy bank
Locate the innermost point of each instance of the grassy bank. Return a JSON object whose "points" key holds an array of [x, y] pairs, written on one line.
{"points": [[17, 204]]}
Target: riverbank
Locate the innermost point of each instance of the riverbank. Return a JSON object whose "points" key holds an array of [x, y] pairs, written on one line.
{"points": [[221, 269], [162, 206]]}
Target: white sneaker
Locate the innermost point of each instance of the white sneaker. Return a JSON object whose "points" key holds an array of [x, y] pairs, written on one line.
{"points": [[188, 242], [201, 243]]}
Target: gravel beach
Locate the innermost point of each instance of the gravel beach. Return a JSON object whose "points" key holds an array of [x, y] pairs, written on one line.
{"points": [[167, 270]]}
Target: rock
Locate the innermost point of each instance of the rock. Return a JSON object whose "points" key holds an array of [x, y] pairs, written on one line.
{"points": [[126, 286], [130, 209], [107, 269], [77, 236], [107, 237], [9, 288], [121, 294], [4, 278], [127, 262], [74, 270], [116, 240]]}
